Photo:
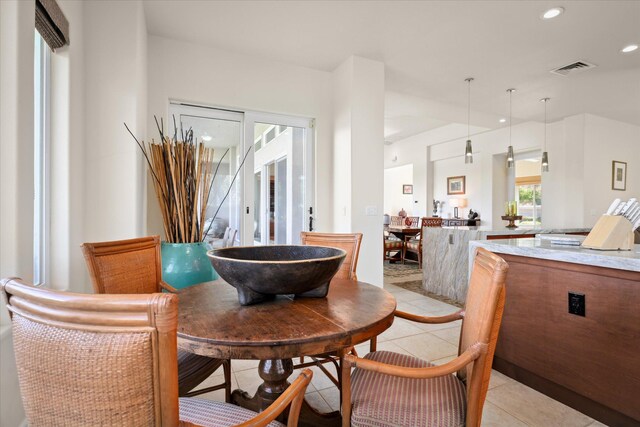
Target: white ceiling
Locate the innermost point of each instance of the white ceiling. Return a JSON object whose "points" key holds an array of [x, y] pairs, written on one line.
{"points": [[430, 47]]}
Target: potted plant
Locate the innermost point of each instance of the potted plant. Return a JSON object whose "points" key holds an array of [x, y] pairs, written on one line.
{"points": [[183, 172]]}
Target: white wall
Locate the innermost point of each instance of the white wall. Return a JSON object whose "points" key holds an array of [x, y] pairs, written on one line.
{"points": [[358, 96], [16, 178], [486, 178], [394, 199], [451, 167], [607, 140], [563, 185], [341, 91], [577, 188], [115, 90], [413, 150], [210, 76]]}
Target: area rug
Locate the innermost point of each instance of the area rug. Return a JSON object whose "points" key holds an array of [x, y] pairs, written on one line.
{"points": [[398, 269]]}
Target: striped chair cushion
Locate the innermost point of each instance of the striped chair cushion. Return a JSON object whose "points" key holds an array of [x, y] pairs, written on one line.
{"points": [[208, 413], [393, 244], [383, 400], [413, 246]]}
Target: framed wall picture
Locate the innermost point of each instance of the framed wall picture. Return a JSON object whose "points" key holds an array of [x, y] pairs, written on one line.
{"points": [[619, 176], [455, 185], [407, 189]]}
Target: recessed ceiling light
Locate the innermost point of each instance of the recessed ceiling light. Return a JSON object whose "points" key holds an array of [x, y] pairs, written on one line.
{"points": [[552, 13], [502, 120], [629, 48], [206, 138]]}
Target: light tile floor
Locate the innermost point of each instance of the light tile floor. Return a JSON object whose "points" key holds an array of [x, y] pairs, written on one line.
{"points": [[508, 404]]}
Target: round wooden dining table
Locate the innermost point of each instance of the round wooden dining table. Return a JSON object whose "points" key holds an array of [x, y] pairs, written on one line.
{"points": [[212, 323]]}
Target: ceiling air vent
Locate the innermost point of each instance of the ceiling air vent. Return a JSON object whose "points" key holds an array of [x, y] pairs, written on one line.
{"points": [[573, 68]]}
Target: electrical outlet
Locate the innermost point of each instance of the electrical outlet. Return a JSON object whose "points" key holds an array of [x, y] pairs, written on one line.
{"points": [[577, 304], [371, 211]]}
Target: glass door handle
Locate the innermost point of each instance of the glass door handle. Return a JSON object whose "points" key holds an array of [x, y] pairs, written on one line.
{"points": [[310, 218]]}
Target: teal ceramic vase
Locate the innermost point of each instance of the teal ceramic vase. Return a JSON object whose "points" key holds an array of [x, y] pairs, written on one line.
{"points": [[186, 264]]}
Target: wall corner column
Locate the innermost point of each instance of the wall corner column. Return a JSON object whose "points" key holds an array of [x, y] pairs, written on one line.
{"points": [[358, 154]]}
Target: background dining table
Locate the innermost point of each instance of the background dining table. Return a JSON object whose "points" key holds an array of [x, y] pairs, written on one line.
{"points": [[213, 323], [403, 232]]}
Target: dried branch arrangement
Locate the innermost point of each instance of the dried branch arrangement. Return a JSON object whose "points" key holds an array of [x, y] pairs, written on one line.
{"points": [[183, 174]]}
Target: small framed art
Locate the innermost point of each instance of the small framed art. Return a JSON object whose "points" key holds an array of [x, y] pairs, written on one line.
{"points": [[407, 189], [456, 184], [619, 176]]}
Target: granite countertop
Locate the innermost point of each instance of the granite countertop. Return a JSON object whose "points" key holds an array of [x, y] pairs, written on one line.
{"points": [[486, 231], [537, 248]]}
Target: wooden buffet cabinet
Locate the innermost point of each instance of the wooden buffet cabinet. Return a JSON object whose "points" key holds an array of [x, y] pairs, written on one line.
{"points": [[590, 363]]}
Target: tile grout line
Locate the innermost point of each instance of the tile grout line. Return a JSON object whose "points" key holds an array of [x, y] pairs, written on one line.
{"points": [[504, 409]]}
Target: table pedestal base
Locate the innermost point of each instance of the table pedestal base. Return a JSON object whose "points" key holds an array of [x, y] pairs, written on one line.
{"points": [[274, 373]]}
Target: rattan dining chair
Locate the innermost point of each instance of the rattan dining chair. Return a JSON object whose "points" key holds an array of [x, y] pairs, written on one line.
{"points": [[134, 266], [350, 243], [396, 221], [111, 360], [415, 243], [388, 388]]}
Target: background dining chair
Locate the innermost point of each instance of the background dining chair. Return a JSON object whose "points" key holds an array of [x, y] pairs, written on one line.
{"points": [[411, 222], [415, 244], [396, 221], [135, 267], [350, 243], [111, 360], [391, 245], [388, 388]]}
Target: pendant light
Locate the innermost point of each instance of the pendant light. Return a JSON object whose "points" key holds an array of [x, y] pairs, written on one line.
{"points": [[545, 155], [510, 157], [468, 151]]}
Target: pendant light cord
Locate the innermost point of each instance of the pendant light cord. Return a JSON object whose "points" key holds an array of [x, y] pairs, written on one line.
{"points": [[469, 110], [545, 126], [510, 103]]}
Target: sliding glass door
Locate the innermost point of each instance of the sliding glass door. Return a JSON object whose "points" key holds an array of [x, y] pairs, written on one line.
{"points": [[270, 201], [223, 131], [283, 179]]}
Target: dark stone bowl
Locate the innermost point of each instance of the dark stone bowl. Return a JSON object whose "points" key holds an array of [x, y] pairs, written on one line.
{"points": [[261, 272]]}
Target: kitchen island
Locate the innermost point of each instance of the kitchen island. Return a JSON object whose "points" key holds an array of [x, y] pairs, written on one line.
{"points": [[571, 325], [445, 257]]}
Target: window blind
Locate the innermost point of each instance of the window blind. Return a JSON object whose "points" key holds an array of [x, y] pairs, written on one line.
{"points": [[529, 180], [51, 23]]}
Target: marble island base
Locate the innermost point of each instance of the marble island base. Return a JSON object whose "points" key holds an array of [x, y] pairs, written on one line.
{"points": [[446, 255]]}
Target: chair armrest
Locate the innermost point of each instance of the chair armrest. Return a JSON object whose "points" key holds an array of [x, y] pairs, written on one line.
{"points": [[427, 319], [168, 287], [294, 394], [471, 354]]}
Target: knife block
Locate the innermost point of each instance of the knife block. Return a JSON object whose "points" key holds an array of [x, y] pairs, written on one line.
{"points": [[611, 233]]}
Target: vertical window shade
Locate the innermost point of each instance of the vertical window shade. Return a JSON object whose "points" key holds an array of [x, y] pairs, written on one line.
{"points": [[51, 23]]}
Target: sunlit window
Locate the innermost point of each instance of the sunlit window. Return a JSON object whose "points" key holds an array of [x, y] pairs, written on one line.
{"points": [[41, 81]]}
